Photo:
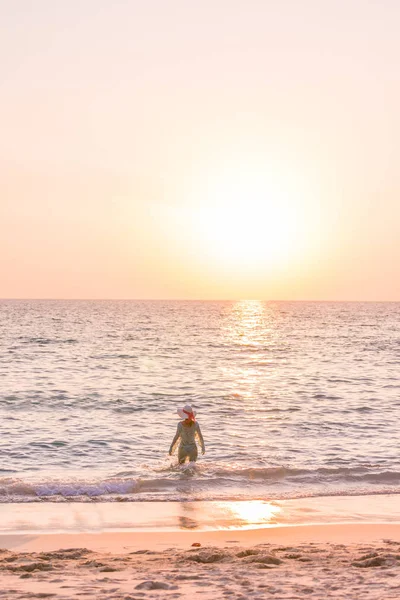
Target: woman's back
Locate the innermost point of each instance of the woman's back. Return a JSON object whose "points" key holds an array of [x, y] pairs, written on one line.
{"points": [[188, 433]]}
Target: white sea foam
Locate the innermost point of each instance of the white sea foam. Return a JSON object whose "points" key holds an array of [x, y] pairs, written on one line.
{"points": [[191, 483]]}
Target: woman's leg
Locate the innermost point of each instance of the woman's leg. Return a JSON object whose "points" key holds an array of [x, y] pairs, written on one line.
{"points": [[193, 452], [182, 454]]}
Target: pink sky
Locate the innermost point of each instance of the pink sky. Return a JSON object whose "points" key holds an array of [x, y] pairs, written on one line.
{"points": [[213, 149]]}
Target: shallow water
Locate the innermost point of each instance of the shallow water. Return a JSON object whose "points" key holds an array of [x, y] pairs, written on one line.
{"points": [[27, 518], [294, 399]]}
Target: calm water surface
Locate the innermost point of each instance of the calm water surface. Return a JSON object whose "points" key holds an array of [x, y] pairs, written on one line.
{"points": [[294, 399]]}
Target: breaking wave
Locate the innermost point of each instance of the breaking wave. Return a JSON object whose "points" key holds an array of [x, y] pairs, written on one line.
{"points": [[194, 482]]}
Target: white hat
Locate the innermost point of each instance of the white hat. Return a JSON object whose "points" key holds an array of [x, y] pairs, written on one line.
{"points": [[186, 412]]}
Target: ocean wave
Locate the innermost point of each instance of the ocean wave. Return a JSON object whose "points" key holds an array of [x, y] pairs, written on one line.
{"points": [[196, 482], [339, 474], [11, 488], [43, 341]]}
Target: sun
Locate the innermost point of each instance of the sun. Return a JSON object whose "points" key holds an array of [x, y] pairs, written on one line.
{"points": [[250, 220]]}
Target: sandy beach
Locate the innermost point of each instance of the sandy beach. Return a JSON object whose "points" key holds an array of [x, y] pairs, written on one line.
{"points": [[349, 561]]}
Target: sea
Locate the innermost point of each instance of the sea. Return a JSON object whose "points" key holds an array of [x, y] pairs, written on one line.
{"points": [[294, 399]]}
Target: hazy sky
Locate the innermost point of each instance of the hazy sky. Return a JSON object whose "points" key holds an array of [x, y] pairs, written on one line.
{"points": [[200, 149]]}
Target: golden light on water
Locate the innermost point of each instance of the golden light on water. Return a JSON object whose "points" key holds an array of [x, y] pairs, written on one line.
{"points": [[249, 317], [253, 513], [250, 327], [243, 514]]}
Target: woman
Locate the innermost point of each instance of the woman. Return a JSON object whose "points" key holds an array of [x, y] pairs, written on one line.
{"points": [[187, 432]]}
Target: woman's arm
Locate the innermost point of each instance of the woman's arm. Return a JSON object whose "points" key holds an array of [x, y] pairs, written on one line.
{"points": [[200, 438], [175, 440]]}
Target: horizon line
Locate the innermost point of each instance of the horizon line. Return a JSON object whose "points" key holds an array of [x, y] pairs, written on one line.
{"points": [[49, 299]]}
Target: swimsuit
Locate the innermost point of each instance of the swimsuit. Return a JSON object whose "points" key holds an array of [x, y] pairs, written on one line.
{"points": [[187, 447]]}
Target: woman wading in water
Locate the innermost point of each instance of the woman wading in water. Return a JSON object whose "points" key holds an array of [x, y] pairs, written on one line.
{"points": [[187, 432]]}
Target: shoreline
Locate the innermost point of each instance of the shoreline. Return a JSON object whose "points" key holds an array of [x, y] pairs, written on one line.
{"points": [[124, 542], [115, 526], [195, 517]]}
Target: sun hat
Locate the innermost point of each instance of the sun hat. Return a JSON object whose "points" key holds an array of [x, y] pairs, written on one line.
{"points": [[187, 412]]}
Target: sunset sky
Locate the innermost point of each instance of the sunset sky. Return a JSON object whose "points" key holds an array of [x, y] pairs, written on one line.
{"points": [[200, 149]]}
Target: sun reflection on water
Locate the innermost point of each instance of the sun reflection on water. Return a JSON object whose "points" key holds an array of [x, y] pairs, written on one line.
{"points": [[251, 329], [249, 321], [242, 514], [251, 514]]}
